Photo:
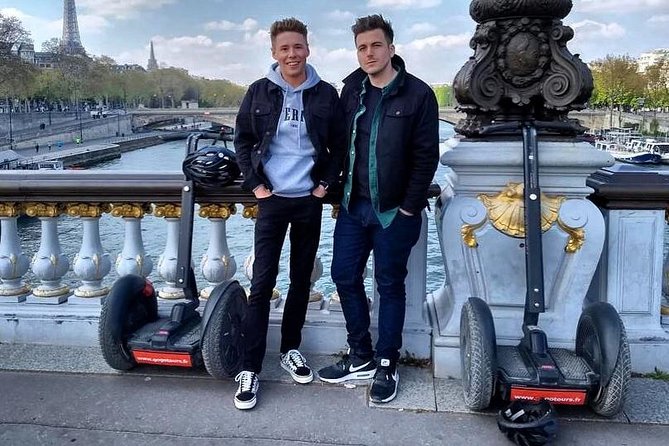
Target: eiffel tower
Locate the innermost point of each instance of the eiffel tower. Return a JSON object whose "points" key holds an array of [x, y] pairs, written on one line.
{"points": [[71, 42], [153, 64]]}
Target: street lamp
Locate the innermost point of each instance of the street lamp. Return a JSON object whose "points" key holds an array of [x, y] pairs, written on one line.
{"points": [[11, 135]]}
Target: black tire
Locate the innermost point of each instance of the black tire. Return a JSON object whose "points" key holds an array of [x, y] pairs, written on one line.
{"points": [[222, 342], [609, 399], [127, 307], [477, 354]]}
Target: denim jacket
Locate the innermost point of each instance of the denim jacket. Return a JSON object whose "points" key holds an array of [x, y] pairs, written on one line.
{"points": [[257, 121], [404, 139]]}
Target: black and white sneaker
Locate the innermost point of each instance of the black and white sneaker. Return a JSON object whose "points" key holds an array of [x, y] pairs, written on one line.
{"points": [[245, 398], [384, 386], [295, 364], [349, 367]]}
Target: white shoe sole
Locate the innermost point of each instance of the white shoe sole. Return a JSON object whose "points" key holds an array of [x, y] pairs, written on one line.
{"points": [[391, 397], [298, 378], [245, 405], [350, 377]]}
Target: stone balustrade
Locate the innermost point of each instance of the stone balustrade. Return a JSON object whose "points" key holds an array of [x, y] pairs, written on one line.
{"points": [[55, 298]]}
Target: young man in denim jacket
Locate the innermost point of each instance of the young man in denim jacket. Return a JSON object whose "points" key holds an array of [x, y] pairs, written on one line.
{"points": [[391, 159], [289, 141]]}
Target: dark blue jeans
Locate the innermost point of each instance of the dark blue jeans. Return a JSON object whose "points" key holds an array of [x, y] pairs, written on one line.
{"points": [[274, 215], [357, 232]]}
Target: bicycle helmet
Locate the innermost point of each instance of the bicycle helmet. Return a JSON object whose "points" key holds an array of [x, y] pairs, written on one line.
{"points": [[211, 167], [528, 423]]}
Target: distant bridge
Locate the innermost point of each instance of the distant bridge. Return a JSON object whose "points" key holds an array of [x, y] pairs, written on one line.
{"points": [[593, 119]]}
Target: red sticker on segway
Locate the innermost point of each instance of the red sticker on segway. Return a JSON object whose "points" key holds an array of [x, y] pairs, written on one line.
{"points": [[571, 397], [174, 359]]}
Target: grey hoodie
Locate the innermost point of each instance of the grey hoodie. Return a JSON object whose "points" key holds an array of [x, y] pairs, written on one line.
{"points": [[291, 155]]}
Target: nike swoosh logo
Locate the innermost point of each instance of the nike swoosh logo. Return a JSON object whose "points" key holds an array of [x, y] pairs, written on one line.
{"points": [[355, 369]]}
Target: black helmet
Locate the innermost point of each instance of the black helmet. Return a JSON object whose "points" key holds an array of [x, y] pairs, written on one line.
{"points": [[211, 166], [527, 423]]}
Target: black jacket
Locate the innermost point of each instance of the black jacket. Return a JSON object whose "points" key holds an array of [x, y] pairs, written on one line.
{"points": [[407, 140], [258, 119]]}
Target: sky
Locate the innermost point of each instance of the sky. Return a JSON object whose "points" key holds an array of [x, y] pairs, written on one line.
{"points": [[228, 39]]}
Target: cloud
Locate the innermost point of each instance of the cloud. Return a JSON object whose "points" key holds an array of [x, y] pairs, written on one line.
{"points": [[225, 25], [340, 15], [40, 29], [422, 28], [591, 30], [120, 9], [437, 41], [403, 4], [620, 6], [659, 19]]}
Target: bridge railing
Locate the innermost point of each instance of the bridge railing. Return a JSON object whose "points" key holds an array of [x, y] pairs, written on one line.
{"points": [[139, 214]]}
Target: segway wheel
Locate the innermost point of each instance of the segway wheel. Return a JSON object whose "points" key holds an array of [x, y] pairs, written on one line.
{"points": [[222, 342], [477, 353], [608, 400], [130, 304]]}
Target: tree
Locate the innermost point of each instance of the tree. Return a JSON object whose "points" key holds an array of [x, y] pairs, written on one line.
{"points": [[617, 82], [16, 75]]}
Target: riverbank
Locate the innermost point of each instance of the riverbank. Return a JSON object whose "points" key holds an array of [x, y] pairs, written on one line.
{"points": [[88, 153]]}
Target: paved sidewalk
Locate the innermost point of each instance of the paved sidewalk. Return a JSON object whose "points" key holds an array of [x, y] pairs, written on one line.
{"points": [[61, 395]]}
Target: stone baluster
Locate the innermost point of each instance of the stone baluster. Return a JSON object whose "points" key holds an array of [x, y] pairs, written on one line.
{"points": [[167, 262], [49, 264], [14, 263], [217, 264], [251, 211], [133, 258], [664, 307], [92, 263]]}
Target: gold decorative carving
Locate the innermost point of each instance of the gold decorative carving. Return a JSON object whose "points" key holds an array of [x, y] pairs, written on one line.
{"points": [[468, 236], [213, 210], [10, 209], [250, 210], [135, 210], [506, 210], [576, 237], [167, 210], [44, 209], [87, 209]]}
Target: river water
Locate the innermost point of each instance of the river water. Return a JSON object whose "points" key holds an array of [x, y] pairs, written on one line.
{"points": [[168, 157]]}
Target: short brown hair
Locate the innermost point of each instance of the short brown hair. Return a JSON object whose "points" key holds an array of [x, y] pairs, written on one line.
{"points": [[285, 25], [372, 22]]}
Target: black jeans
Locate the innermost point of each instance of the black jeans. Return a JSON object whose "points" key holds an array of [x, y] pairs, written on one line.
{"points": [[274, 215]]}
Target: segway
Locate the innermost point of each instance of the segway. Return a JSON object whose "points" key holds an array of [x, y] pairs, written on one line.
{"points": [[131, 331], [596, 373]]}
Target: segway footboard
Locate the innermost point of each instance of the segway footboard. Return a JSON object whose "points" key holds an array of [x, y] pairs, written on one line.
{"points": [[520, 378]]}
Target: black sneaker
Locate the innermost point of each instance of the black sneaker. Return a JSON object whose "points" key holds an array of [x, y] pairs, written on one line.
{"points": [[349, 367], [245, 398], [295, 364], [384, 386]]}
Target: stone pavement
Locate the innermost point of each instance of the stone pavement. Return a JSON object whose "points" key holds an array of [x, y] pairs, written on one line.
{"points": [[58, 395]]}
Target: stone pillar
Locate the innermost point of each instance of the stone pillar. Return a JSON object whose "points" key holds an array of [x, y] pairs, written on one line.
{"points": [[521, 74], [49, 264], [217, 264], [92, 263], [629, 276], [167, 262], [14, 263], [133, 258]]}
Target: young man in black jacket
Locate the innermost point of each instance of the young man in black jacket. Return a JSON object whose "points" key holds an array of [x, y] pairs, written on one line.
{"points": [[392, 157], [290, 143]]}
